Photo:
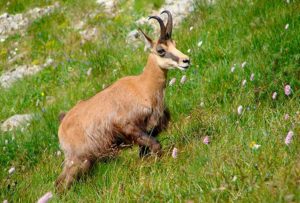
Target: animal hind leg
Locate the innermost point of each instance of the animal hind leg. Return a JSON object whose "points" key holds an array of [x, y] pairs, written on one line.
{"points": [[72, 170]]}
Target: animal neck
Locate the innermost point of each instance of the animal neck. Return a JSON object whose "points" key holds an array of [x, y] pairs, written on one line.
{"points": [[154, 76]]}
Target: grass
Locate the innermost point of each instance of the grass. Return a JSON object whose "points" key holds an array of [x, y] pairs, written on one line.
{"points": [[227, 170]]}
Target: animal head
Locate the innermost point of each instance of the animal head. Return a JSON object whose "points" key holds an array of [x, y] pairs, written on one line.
{"points": [[164, 49]]}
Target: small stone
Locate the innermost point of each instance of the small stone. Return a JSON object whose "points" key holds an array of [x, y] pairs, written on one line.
{"points": [[50, 99], [289, 197], [16, 121]]}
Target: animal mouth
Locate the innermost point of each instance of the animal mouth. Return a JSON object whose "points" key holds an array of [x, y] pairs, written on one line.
{"points": [[183, 67]]}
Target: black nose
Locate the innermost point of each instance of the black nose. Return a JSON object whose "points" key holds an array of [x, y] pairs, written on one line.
{"points": [[186, 61]]}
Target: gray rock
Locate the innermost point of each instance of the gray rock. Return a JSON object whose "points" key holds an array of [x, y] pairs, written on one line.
{"points": [[9, 24], [9, 77], [109, 5], [16, 121], [180, 9], [89, 34]]}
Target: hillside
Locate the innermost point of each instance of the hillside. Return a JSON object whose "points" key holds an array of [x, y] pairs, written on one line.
{"points": [[235, 120]]}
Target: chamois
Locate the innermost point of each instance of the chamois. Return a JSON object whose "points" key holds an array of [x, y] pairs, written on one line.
{"points": [[130, 111]]}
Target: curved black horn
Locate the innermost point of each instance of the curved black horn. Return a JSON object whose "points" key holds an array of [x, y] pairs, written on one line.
{"points": [[162, 27], [169, 26]]}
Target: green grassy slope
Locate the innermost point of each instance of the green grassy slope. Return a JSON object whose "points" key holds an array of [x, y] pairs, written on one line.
{"points": [[227, 169]]}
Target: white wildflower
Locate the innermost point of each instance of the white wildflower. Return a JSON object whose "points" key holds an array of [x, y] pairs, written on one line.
{"points": [[172, 81], [234, 179], [11, 170], [232, 69], [274, 95], [240, 110], [256, 146], [286, 26], [183, 79], [243, 64], [58, 153], [191, 28], [244, 82], [89, 71], [189, 51], [199, 43]]}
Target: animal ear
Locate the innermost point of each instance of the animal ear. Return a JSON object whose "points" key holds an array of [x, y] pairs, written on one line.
{"points": [[148, 41]]}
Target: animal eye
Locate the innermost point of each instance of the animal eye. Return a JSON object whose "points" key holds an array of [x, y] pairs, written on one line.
{"points": [[161, 52]]}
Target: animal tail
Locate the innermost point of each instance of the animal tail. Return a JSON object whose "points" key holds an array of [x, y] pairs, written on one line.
{"points": [[61, 116]]}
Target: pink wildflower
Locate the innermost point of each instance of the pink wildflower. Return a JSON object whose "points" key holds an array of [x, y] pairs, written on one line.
{"points": [[286, 117], [287, 90], [45, 198], [289, 137], [206, 140], [252, 77], [174, 153], [183, 79]]}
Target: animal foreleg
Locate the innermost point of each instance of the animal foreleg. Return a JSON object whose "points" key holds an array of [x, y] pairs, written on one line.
{"points": [[143, 151]]}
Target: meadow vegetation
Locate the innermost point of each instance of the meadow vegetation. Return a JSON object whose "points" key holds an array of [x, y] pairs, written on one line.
{"points": [[228, 169]]}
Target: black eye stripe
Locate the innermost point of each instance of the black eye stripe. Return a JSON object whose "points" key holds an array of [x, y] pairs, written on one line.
{"points": [[171, 56]]}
